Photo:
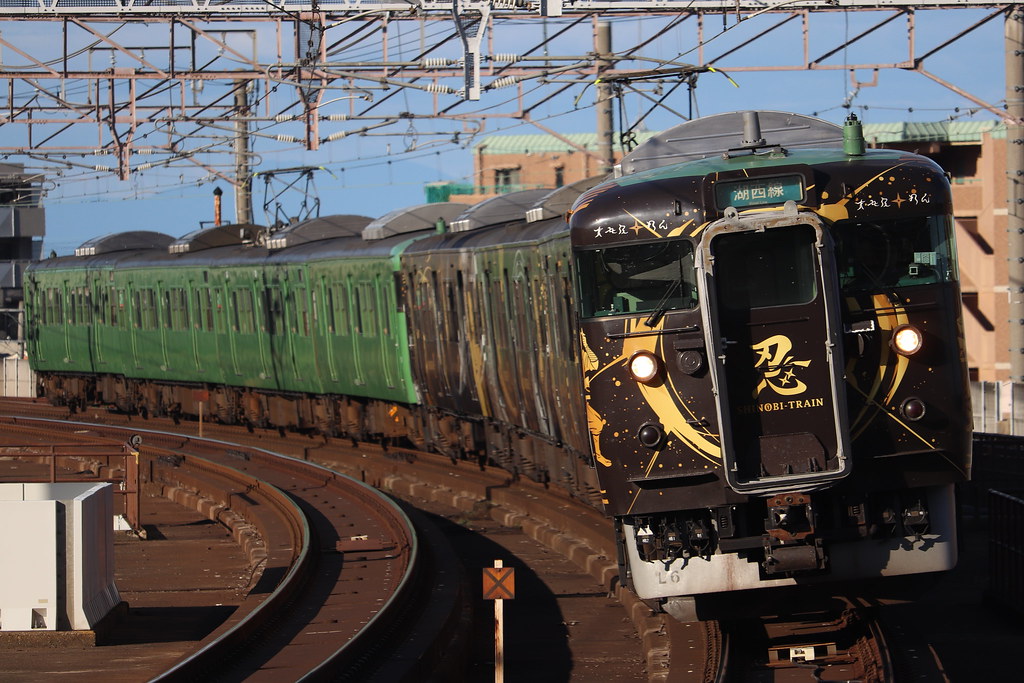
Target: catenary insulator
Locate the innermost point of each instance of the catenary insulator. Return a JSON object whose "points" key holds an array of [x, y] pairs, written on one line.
{"points": [[434, 62], [438, 87], [503, 82], [506, 57], [336, 136], [286, 138]]}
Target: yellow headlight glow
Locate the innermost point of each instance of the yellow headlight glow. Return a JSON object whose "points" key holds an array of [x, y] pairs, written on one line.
{"points": [[907, 340], [644, 366]]}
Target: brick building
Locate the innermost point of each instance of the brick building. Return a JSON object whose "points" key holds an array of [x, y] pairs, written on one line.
{"points": [[973, 152]]}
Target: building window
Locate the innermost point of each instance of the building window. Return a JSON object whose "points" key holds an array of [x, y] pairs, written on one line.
{"points": [[559, 176], [506, 179]]}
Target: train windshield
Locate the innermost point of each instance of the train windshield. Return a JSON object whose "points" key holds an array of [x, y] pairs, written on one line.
{"points": [[766, 268], [637, 278], [902, 252]]}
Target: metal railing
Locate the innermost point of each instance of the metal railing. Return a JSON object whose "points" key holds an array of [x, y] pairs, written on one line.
{"points": [[998, 407]]}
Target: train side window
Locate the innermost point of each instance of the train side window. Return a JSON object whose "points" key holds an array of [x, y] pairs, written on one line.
{"points": [[168, 317], [900, 252], [204, 310], [453, 328], [234, 311], [637, 278], [178, 308], [275, 311], [113, 299], [383, 290], [302, 311], [370, 313], [357, 309], [137, 306], [149, 309], [343, 325], [570, 323], [245, 312]]}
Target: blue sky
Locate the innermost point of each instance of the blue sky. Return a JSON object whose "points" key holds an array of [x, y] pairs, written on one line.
{"points": [[373, 175]]}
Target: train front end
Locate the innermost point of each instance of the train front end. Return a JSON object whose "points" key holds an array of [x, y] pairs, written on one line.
{"points": [[773, 360]]}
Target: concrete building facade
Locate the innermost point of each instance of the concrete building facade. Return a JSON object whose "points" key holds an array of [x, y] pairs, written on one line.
{"points": [[972, 152], [22, 227]]}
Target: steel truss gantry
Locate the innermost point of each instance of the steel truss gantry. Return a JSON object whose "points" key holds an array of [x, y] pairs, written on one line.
{"points": [[147, 76]]}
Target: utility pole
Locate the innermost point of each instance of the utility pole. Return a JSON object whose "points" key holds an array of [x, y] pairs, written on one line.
{"points": [[243, 179], [1014, 44], [605, 118]]}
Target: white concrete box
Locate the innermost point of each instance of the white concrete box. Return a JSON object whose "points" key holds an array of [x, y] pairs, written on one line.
{"points": [[56, 556]]}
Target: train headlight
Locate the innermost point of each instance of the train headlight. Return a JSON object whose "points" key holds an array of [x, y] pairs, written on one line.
{"points": [[645, 367], [906, 340]]}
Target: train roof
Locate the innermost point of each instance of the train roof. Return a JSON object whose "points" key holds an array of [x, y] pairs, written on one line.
{"points": [[722, 134], [317, 230], [413, 219], [124, 241], [211, 238], [526, 216]]}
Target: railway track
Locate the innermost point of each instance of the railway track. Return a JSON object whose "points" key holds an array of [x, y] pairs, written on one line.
{"points": [[844, 644], [341, 569]]}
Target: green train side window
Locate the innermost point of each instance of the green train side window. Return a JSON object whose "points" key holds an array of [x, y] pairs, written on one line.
{"points": [[636, 278]]}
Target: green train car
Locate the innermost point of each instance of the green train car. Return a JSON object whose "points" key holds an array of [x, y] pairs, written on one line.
{"points": [[280, 333]]}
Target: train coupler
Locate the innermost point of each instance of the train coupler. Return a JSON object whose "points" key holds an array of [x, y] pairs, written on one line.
{"points": [[790, 545]]}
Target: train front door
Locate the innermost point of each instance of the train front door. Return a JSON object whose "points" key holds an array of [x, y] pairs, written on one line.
{"points": [[774, 331]]}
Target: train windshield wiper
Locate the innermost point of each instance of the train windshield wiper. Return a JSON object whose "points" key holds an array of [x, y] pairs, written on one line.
{"points": [[661, 308]]}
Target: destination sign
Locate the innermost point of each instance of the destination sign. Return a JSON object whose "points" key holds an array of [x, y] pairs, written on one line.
{"points": [[759, 191]]}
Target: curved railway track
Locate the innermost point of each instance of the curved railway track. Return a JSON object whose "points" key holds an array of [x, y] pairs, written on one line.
{"points": [[341, 566]]}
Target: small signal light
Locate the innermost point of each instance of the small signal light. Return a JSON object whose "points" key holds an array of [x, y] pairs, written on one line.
{"points": [[651, 436], [913, 409]]}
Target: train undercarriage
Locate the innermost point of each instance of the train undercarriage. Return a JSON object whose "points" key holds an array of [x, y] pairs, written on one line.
{"points": [[389, 423], [790, 539]]}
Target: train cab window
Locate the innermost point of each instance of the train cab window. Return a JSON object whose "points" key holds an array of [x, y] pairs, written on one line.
{"points": [[902, 252], [767, 268], [636, 278]]}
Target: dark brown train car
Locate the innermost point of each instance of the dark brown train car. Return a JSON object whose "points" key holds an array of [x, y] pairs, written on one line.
{"points": [[489, 304], [773, 356]]}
